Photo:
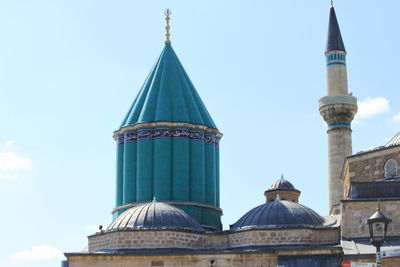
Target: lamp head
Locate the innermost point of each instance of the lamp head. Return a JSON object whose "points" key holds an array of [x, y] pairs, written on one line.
{"points": [[378, 224]]}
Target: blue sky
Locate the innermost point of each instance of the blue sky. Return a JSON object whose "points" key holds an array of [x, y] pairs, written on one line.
{"points": [[70, 69]]}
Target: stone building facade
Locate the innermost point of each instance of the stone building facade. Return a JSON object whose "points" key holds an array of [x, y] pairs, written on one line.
{"points": [[167, 209], [371, 179]]}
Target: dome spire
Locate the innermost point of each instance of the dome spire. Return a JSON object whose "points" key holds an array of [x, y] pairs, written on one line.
{"points": [[167, 12], [331, 3]]}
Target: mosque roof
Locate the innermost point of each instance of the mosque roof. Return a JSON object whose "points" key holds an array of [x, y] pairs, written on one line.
{"points": [[279, 213], [335, 41], [282, 184], [168, 95], [154, 215], [394, 141]]}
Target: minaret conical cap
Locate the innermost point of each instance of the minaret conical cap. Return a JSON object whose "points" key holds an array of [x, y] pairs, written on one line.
{"points": [[335, 41]]}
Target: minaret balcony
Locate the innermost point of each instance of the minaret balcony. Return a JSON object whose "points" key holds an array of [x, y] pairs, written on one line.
{"points": [[342, 99], [338, 110]]}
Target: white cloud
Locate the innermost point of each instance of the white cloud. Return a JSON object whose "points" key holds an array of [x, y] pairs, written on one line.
{"points": [[11, 163], [372, 106], [37, 253], [396, 118], [9, 143], [92, 228], [7, 176]]}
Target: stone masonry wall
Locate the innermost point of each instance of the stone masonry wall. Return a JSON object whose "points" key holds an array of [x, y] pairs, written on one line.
{"points": [[145, 239], [284, 195], [368, 167], [216, 240], [371, 169], [355, 214], [247, 259], [222, 260], [281, 237], [179, 239]]}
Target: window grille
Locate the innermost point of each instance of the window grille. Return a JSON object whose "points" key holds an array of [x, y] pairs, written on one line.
{"points": [[390, 168]]}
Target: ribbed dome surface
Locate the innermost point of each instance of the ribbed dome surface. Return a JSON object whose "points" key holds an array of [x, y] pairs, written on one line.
{"points": [[282, 184], [154, 215], [168, 95], [279, 213]]}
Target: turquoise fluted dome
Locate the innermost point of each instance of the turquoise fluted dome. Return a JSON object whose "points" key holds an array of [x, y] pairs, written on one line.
{"points": [[168, 146], [168, 95]]}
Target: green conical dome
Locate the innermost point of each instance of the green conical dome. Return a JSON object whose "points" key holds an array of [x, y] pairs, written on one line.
{"points": [[168, 95], [168, 146]]}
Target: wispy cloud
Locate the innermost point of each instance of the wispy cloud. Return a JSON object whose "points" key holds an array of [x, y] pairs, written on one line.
{"points": [[37, 253], [9, 161], [396, 118], [372, 106], [9, 143], [11, 164]]}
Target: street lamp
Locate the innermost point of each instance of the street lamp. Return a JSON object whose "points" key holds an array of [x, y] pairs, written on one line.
{"points": [[378, 224]]}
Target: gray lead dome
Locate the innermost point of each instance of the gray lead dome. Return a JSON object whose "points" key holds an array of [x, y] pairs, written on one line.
{"points": [[154, 215], [279, 213], [282, 184]]}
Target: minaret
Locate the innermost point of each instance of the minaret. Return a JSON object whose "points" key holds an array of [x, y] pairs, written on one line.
{"points": [[338, 109], [168, 145]]}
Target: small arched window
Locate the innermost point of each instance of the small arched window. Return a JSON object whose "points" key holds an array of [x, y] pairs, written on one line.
{"points": [[390, 168]]}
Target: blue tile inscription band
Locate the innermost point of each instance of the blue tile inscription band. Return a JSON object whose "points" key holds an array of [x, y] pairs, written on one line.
{"points": [[336, 59], [167, 133], [336, 63], [339, 123]]}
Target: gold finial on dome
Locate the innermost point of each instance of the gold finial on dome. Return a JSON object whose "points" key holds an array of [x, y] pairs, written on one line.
{"points": [[167, 12]]}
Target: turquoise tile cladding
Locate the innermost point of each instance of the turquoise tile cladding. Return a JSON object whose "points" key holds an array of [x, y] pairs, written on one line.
{"points": [[179, 164], [168, 95]]}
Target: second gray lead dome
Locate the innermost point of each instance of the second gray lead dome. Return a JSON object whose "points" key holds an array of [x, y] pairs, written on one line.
{"points": [[279, 213]]}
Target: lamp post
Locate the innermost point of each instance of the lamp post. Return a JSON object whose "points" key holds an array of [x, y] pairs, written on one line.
{"points": [[378, 224]]}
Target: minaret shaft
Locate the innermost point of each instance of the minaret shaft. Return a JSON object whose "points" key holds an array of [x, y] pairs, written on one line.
{"points": [[338, 109], [339, 146], [336, 75]]}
